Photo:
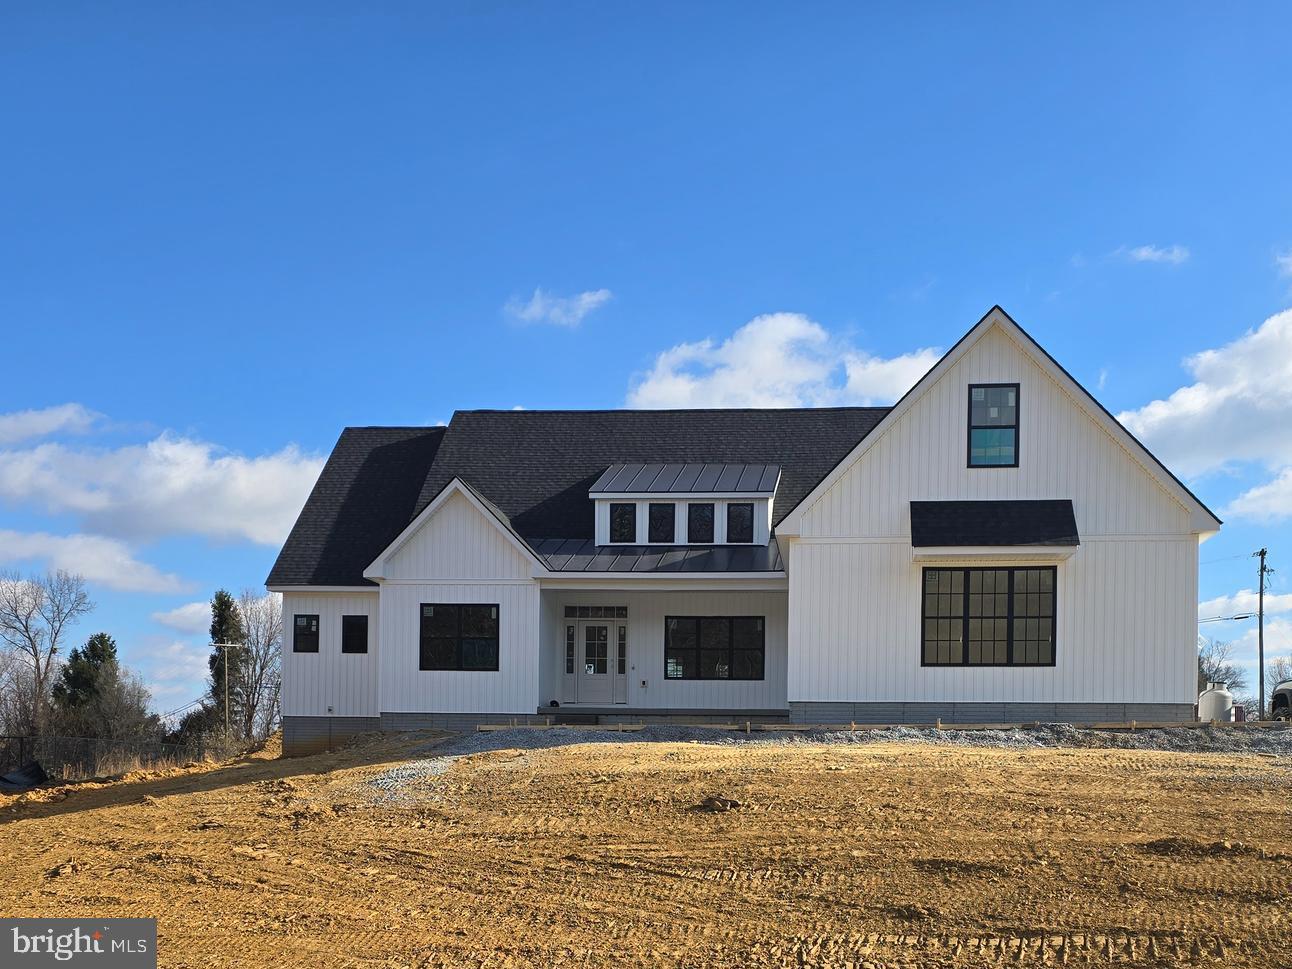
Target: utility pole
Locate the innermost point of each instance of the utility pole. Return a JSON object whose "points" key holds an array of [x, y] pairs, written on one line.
{"points": [[1262, 571]]}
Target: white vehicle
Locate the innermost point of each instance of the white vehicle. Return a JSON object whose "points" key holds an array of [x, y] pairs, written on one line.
{"points": [[1281, 701]]}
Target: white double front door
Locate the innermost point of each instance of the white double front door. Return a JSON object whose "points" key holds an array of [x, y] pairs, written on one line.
{"points": [[601, 661]]}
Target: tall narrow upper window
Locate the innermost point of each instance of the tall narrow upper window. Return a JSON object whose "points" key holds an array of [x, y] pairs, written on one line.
{"points": [[993, 425], [623, 523], [699, 522], [661, 523], [740, 522]]}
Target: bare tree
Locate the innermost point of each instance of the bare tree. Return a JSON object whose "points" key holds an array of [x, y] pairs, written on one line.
{"points": [[35, 613], [1216, 665], [261, 668]]}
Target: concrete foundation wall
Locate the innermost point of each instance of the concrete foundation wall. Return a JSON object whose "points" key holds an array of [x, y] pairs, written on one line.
{"points": [[987, 712], [309, 735]]}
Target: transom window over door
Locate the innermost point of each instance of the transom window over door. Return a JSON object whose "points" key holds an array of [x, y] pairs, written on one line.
{"points": [[988, 617], [993, 425]]}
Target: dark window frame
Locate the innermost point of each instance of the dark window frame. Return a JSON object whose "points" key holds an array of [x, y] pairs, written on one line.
{"points": [[713, 514], [731, 648], [632, 508], [672, 521], [1009, 626], [459, 668], [351, 620], [741, 504], [1018, 413], [296, 632]]}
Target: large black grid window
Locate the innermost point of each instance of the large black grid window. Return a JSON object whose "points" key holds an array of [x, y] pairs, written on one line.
{"points": [[714, 647], [988, 617], [456, 636], [993, 425]]}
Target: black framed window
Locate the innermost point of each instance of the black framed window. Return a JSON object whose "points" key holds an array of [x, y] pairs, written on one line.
{"points": [[715, 647], [993, 425], [305, 634], [623, 523], [458, 636], [988, 617], [661, 523], [740, 522], [699, 522], [354, 634]]}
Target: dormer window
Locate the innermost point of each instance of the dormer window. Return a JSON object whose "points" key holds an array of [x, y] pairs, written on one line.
{"points": [[993, 425], [684, 504], [623, 523], [740, 522], [699, 523], [662, 527]]}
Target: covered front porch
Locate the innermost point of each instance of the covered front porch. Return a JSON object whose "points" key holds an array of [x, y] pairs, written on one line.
{"points": [[621, 650]]}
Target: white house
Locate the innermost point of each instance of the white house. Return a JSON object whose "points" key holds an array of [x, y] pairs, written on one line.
{"points": [[994, 547]]}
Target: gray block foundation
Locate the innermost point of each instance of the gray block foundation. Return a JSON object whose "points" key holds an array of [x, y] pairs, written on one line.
{"points": [[988, 712], [309, 735]]}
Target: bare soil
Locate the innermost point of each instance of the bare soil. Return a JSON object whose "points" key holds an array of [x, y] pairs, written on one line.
{"points": [[636, 854]]}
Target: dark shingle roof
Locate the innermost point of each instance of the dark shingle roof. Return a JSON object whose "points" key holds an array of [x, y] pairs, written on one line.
{"points": [[952, 523], [535, 469], [367, 492], [538, 466]]}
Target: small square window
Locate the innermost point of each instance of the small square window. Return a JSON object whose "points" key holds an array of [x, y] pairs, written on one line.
{"points": [[305, 634], [354, 634]]}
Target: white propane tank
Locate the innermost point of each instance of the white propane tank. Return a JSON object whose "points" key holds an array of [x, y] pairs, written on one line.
{"points": [[1216, 703]]}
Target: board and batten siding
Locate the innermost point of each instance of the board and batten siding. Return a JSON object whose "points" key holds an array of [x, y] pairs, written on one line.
{"points": [[344, 682], [457, 542], [1126, 598], [646, 612]]}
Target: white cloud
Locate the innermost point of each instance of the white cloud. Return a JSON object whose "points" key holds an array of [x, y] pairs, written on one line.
{"points": [[1242, 602], [1238, 409], [1268, 502], [1283, 260], [776, 360], [1174, 255], [169, 486], [569, 311], [193, 617], [24, 425], [100, 560], [180, 663]]}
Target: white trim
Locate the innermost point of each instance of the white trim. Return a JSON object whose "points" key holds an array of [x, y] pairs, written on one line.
{"points": [[725, 582], [377, 569], [1202, 521], [993, 553], [323, 589], [484, 580]]}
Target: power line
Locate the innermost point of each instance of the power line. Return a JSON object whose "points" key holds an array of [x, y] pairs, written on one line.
{"points": [[1245, 615], [1227, 558]]}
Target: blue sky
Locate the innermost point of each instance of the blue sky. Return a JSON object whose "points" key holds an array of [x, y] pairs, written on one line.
{"points": [[229, 231]]}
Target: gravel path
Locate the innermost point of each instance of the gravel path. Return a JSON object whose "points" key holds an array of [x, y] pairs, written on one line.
{"points": [[1277, 742]]}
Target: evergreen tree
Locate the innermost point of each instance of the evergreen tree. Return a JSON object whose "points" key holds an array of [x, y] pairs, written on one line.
{"points": [[227, 633], [81, 678]]}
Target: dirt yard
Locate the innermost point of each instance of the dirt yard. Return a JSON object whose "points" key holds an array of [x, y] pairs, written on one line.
{"points": [[884, 855]]}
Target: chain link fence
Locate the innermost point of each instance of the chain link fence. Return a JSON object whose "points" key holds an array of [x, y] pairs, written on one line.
{"points": [[78, 758]]}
